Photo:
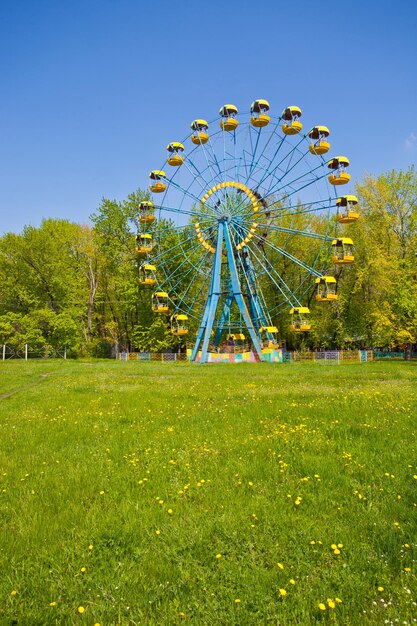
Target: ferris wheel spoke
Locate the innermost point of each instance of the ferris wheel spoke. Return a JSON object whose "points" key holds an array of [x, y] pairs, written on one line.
{"points": [[307, 184], [281, 142], [194, 278], [169, 276], [190, 237], [269, 172], [290, 256], [269, 269], [296, 231]]}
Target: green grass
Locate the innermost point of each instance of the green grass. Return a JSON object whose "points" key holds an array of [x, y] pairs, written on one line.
{"points": [[144, 473]]}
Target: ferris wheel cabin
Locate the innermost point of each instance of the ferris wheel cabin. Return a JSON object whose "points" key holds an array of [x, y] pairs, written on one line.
{"points": [[147, 275], [228, 113], [144, 244], [179, 324], [146, 212], [175, 154], [160, 302], [348, 213], [158, 184], [338, 165], [326, 289], [299, 321], [269, 337], [291, 116], [259, 110], [319, 143], [342, 251], [200, 134]]}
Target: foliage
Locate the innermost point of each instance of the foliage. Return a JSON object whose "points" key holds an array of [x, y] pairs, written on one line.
{"points": [[78, 284]]}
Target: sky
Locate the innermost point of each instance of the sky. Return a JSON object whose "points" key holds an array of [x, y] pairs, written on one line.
{"points": [[93, 90]]}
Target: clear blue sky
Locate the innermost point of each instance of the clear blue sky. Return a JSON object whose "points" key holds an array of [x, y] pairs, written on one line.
{"points": [[93, 90]]}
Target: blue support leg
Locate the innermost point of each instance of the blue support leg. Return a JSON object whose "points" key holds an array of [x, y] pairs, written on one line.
{"points": [[237, 293]]}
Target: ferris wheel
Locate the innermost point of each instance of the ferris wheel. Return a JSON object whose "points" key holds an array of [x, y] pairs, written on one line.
{"points": [[241, 220]]}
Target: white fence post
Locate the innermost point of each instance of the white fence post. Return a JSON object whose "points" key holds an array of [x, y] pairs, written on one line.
{"points": [[26, 351], [65, 352], [4, 352]]}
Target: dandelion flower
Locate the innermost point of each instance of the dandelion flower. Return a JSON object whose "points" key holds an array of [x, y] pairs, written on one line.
{"points": [[90, 547], [102, 493], [280, 565], [170, 511], [237, 601], [157, 531], [218, 556], [407, 569], [282, 593], [333, 546], [380, 588], [322, 606], [338, 600], [52, 604], [337, 551], [13, 593], [292, 581], [331, 603], [81, 609], [83, 569]]}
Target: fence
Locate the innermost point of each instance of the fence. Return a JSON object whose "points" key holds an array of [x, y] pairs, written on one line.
{"points": [[151, 356], [327, 356], [25, 353], [332, 356]]}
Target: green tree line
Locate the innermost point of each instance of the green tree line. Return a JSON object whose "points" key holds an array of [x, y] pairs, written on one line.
{"points": [[76, 285]]}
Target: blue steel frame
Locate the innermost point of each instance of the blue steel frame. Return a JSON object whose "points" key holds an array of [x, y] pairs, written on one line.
{"points": [[234, 293]]}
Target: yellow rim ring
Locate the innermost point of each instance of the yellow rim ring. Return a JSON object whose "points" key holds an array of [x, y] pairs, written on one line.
{"points": [[255, 203]]}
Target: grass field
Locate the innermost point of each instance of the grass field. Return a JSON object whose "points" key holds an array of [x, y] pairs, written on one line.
{"points": [[228, 495]]}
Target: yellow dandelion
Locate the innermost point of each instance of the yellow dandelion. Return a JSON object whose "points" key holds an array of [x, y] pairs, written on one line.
{"points": [[292, 581], [312, 542], [170, 511], [333, 546], [157, 531], [90, 547], [102, 493], [81, 609], [218, 556], [83, 569], [52, 604], [337, 551], [13, 593], [322, 606], [380, 588], [237, 601], [280, 565], [338, 600], [407, 569], [282, 593], [331, 603], [340, 545]]}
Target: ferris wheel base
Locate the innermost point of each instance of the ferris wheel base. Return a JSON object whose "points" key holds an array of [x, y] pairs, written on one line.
{"points": [[269, 355]]}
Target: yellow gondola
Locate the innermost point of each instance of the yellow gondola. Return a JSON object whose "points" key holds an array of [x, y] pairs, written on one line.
{"points": [[160, 302], [200, 135], [326, 289], [349, 213], [259, 117], [146, 215], [176, 156], [318, 135], [179, 324], [340, 176], [268, 336], [144, 244], [158, 184], [291, 116], [147, 275], [299, 322], [237, 337], [342, 251], [228, 121]]}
